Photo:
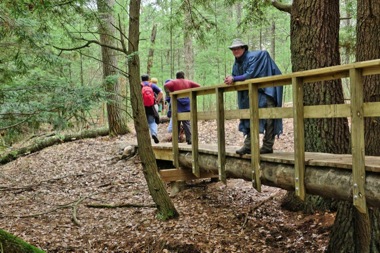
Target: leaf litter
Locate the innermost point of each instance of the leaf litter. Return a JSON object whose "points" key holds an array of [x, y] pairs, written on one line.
{"points": [[48, 199]]}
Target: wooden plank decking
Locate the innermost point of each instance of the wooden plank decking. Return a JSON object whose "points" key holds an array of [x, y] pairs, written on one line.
{"points": [[163, 151], [327, 175]]}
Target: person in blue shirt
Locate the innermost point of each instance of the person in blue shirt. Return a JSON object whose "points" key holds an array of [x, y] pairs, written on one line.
{"points": [[150, 111], [248, 65]]}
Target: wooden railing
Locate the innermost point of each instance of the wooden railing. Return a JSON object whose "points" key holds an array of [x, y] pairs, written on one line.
{"points": [[356, 110]]}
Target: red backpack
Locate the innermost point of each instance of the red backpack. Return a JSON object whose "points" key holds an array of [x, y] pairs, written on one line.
{"points": [[148, 94]]}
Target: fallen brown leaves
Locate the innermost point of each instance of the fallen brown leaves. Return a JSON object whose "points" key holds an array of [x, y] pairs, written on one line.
{"points": [[112, 205]]}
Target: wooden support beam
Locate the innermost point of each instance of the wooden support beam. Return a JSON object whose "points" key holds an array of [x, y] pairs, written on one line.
{"points": [[299, 141], [371, 109], [175, 133], [171, 175], [255, 131], [194, 132], [221, 135], [357, 140]]}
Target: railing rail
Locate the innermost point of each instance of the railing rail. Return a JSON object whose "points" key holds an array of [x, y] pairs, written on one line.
{"points": [[356, 110]]}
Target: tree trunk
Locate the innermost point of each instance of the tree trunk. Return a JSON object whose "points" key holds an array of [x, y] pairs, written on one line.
{"points": [[351, 232], [239, 10], [315, 44], [188, 44], [368, 48], [362, 230], [13, 244], [171, 53], [151, 49], [116, 111], [273, 40], [156, 187]]}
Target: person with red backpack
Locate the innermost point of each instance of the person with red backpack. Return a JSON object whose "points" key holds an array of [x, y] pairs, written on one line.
{"points": [[151, 94]]}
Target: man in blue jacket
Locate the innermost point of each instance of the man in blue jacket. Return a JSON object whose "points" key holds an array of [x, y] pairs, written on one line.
{"points": [[248, 65]]}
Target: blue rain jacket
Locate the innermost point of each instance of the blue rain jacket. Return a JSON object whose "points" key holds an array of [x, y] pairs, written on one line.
{"points": [[254, 64]]}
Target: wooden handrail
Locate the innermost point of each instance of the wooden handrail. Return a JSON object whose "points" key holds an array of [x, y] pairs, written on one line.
{"points": [[356, 110]]}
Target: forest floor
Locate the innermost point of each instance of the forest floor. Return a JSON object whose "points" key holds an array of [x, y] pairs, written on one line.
{"points": [[49, 199]]}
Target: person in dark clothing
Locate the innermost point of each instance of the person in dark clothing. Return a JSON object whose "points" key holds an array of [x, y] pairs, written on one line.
{"points": [[180, 83], [149, 110], [161, 103], [248, 65]]}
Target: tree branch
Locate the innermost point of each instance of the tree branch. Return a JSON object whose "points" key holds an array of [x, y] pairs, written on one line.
{"points": [[119, 205], [14, 125], [88, 43], [123, 72], [73, 205], [282, 7], [122, 37]]}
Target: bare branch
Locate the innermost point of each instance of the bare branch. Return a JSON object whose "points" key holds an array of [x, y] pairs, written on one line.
{"points": [[73, 48], [282, 7], [119, 205], [88, 43], [14, 125], [122, 36], [123, 72]]}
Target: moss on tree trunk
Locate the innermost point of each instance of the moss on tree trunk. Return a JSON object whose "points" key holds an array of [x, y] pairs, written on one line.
{"points": [[11, 243]]}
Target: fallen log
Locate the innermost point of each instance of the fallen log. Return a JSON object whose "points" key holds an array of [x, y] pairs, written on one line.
{"points": [[319, 180], [44, 142]]}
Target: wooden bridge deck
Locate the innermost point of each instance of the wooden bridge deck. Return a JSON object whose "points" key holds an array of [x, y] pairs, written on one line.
{"points": [[163, 151], [327, 175], [298, 166]]}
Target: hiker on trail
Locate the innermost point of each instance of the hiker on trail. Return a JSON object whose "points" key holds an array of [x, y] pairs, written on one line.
{"points": [[160, 103], [151, 95], [168, 109], [183, 105], [248, 65]]}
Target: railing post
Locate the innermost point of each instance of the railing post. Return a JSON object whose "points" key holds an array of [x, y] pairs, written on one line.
{"points": [[194, 133], [299, 137], [357, 140], [255, 140], [221, 134], [175, 133]]}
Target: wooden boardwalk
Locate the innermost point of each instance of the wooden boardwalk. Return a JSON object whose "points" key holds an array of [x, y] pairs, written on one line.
{"points": [[164, 151], [327, 175], [357, 110]]}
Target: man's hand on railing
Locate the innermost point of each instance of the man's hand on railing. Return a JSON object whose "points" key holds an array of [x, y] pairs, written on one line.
{"points": [[229, 80]]}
